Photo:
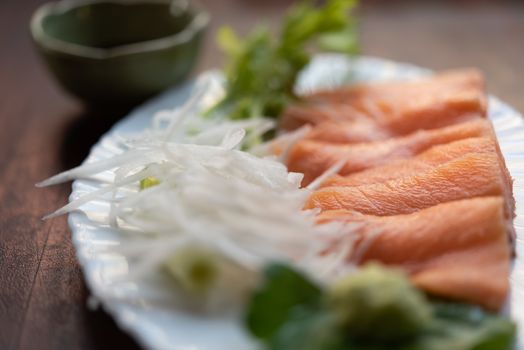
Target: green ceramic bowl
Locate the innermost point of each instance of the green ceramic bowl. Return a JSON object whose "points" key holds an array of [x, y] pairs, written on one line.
{"points": [[118, 52]]}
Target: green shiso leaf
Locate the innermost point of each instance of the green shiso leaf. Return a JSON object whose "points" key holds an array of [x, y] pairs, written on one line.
{"points": [[283, 291], [467, 327], [308, 329]]}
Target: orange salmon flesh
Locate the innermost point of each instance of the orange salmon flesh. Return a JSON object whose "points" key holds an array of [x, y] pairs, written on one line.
{"points": [[422, 176]]}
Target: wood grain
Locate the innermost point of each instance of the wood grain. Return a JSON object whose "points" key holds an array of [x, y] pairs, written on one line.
{"points": [[42, 131]]}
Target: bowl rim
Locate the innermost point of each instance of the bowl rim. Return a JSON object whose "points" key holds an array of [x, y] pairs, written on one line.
{"points": [[199, 22]]}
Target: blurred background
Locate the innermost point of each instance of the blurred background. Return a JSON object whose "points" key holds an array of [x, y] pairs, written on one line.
{"points": [[43, 131]]}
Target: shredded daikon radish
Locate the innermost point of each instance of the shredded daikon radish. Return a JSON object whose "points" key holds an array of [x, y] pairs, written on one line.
{"points": [[209, 193]]}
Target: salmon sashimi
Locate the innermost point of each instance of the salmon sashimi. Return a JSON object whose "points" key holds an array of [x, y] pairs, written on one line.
{"points": [[427, 160], [350, 132], [473, 175], [366, 131], [453, 80], [455, 250], [397, 108], [312, 158]]}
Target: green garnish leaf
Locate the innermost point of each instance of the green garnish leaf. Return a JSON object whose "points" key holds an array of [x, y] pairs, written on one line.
{"points": [[228, 41], [283, 291], [263, 69], [344, 41], [308, 329], [467, 327]]}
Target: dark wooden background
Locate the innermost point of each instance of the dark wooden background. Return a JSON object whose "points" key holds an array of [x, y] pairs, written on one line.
{"points": [[42, 131]]}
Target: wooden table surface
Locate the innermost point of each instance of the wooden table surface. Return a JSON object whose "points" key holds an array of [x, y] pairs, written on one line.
{"points": [[42, 131]]}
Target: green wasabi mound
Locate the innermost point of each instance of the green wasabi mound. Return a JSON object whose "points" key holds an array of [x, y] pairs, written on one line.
{"points": [[380, 304]]}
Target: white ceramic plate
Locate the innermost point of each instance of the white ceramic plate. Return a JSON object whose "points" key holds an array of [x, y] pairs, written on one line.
{"points": [[165, 326]]}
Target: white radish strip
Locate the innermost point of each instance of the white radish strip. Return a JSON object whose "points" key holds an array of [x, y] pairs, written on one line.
{"points": [[285, 142], [150, 262], [334, 169], [291, 140], [338, 258], [364, 246], [233, 138], [91, 168], [186, 109], [95, 195]]}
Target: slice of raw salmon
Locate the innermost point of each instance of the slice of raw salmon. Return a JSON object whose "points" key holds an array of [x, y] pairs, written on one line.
{"points": [[435, 156], [456, 250], [444, 83], [471, 175], [354, 131], [397, 108], [369, 131], [312, 158]]}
